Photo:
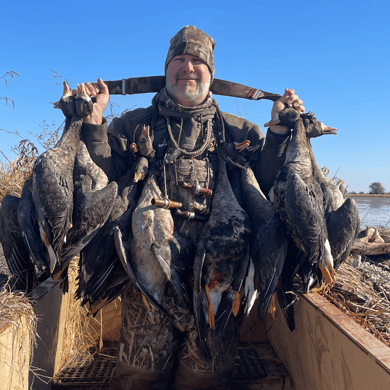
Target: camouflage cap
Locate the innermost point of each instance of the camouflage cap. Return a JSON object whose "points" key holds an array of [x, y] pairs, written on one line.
{"points": [[191, 40]]}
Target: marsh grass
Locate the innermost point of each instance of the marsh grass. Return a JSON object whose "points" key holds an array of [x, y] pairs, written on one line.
{"points": [[79, 335], [14, 173], [16, 311], [363, 293], [361, 301]]}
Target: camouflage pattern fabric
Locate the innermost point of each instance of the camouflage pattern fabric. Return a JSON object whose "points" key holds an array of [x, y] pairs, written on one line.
{"points": [[191, 40]]}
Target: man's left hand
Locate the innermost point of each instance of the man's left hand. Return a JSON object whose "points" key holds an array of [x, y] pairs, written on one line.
{"points": [[289, 99]]}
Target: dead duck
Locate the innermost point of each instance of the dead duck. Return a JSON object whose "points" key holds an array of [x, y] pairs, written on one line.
{"points": [[150, 256], [341, 214], [145, 142], [268, 247], [53, 179], [320, 235], [315, 128], [102, 277], [15, 251], [298, 197], [94, 200], [221, 260]]}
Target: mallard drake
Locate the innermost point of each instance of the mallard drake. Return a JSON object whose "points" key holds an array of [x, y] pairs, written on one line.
{"points": [[221, 261]]}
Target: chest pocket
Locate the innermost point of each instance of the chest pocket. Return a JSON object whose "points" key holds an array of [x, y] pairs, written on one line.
{"points": [[190, 171]]}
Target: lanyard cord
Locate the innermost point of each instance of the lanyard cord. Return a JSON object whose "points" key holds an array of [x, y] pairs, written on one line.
{"points": [[194, 153]]}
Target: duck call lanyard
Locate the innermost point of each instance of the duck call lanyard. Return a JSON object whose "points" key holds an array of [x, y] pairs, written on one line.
{"points": [[171, 158]]}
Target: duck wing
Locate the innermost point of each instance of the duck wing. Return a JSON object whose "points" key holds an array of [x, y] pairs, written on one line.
{"points": [[341, 214], [269, 254], [295, 260], [94, 200], [343, 227], [93, 213], [15, 251], [53, 191], [269, 243], [300, 206], [101, 277], [123, 249], [28, 222]]}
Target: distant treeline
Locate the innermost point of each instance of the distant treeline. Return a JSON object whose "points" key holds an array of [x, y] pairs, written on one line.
{"points": [[370, 195]]}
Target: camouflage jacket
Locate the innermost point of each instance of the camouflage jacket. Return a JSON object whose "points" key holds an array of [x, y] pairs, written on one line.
{"points": [[109, 146]]}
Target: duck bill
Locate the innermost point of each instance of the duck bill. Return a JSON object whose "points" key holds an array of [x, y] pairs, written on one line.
{"points": [[81, 91], [242, 145], [329, 130], [66, 91], [274, 121]]}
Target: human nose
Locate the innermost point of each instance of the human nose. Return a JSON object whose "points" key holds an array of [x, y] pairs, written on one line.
{"points": [[188, 66]]}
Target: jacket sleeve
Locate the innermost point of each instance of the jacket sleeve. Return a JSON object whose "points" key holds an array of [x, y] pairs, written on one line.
{"points": [[109, 146]]}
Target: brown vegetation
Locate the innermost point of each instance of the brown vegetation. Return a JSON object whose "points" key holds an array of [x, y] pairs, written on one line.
{"points": [[363, 293], [14, 173]]}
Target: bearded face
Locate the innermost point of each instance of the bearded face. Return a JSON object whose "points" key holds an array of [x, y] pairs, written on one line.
{"points": [[187, 80]]}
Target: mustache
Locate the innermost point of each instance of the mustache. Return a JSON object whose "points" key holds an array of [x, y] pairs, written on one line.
{"points": [[185, 76]]}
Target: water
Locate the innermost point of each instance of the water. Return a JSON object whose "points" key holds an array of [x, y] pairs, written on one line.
{"points": [[373, 211]]}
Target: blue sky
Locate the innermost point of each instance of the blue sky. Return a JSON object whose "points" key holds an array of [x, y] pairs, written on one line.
{"points": [[336, 55]]}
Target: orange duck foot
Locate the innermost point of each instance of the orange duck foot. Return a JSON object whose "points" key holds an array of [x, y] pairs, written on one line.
{"points": [[329, 274], [211, 319], [235, 302], [146, 303]]}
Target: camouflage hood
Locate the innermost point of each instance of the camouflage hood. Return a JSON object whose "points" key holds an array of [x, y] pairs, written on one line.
{"points": [[191, 40]]}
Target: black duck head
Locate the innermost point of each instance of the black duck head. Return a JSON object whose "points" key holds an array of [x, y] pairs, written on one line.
{"points": [[84, 104], [67, 102], [315, 128], [288, 117]]}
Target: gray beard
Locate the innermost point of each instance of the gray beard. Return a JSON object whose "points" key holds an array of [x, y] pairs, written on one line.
{"points": [[201, 92]]}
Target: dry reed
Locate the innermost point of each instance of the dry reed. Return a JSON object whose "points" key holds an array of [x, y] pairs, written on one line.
{"points": [[15, 311], [362, 293], [79, 335], [15, 304]]}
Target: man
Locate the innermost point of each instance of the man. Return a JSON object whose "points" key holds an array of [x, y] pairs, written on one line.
{"points": [[188, 127]]}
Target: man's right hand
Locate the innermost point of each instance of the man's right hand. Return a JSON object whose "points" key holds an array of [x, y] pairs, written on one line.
{"points": [[289, 99], [100, 91]]}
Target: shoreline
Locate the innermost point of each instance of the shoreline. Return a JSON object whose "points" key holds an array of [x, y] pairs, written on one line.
{"points": [[368, 195]]}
